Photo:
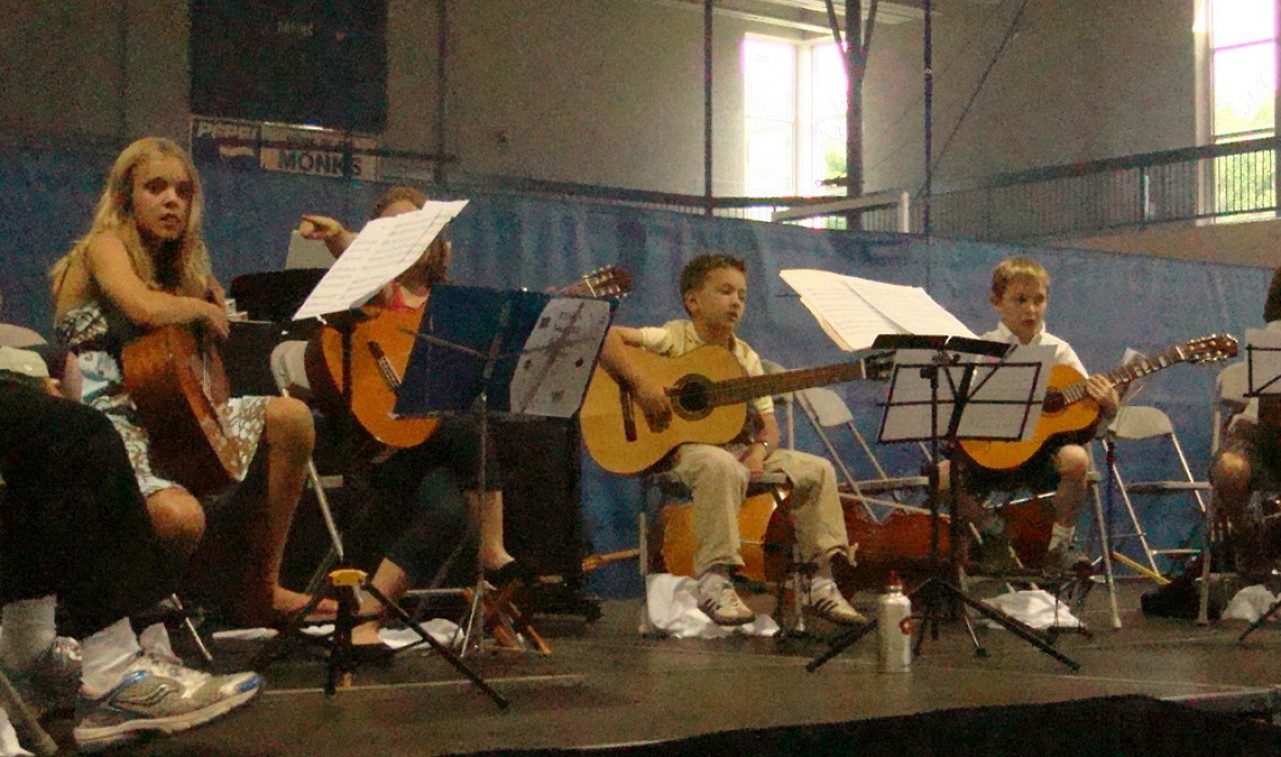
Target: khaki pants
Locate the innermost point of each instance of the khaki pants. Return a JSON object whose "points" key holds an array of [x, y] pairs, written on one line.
{"points": [[718, 483]]}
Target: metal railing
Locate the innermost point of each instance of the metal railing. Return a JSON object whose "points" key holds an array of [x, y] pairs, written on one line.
{"points": [[1222, 181], [1230, 181]]}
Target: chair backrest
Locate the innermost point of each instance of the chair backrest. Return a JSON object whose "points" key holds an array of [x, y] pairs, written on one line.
{"points": [[828, 406], [1230, 384], [1140, 422], [12, 335], [1229, 399], [289, 365]]}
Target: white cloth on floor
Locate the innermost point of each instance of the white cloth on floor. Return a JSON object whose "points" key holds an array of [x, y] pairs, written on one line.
{"points": [[1250, 603], [442, 630], [1037, 608], [672, 604], [247, 634], [439, 629]]}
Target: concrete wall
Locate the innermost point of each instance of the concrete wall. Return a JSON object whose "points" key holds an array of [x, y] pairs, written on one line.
{"points": [[611, 91], [1078, 81]]}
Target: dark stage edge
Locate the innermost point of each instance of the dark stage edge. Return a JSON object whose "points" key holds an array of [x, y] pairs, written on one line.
{"points": [[1154, 686], [1123, 725]]}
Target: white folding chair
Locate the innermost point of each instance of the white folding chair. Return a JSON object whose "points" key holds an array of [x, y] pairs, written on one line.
{"points": [[1230, 387], [1145, 423], [827, 412]]}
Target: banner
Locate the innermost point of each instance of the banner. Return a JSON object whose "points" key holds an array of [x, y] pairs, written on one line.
{"points": [[283, 147]]}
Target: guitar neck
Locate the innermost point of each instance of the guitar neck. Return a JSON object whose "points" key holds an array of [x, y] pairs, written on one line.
{"points": [[1131, 371], [738, 390]]}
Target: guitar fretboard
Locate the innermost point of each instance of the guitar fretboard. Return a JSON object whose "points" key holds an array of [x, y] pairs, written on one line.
{"points": [[1131, 371], [736, 390]]}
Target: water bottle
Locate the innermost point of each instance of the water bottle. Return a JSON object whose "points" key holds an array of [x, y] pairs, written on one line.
{"points": [[894, 628]]}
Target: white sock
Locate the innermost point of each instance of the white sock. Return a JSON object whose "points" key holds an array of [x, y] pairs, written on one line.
{"points": [[154, 640], [1061, 536], [107, 656], [28, 631]]}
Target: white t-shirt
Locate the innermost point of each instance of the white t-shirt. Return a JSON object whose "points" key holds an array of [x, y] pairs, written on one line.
{"points": [[1063, 352]]}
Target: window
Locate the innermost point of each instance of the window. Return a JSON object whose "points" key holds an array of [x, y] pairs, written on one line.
{"points": [[1243, 82], [795, 105], [769, 75]]}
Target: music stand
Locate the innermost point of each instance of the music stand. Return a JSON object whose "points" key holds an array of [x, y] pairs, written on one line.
{"points": [[508, 351], [916, 410], [384, 249], [1263, 379]]}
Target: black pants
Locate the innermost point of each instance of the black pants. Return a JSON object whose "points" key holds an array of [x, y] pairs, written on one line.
{"points": [[73, 522], [415, 514]]}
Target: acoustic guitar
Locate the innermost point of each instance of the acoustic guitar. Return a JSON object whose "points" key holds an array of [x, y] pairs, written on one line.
{"points": [[709, 391], [178, 383], [1069, 414], [381, 341]]}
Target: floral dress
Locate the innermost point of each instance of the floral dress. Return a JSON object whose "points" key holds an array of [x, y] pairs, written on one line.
{"points": [[96, 333]]}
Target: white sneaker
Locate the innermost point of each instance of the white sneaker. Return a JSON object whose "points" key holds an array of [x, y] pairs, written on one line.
{"points": [[159, 696], [826, 601], [718, 600]]}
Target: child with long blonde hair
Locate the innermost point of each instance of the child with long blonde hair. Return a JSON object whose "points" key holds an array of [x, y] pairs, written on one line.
{"points": [[143, 265]]}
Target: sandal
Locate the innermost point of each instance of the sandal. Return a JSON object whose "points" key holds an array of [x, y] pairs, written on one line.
{"points": [[514, 584], [512, 573]]}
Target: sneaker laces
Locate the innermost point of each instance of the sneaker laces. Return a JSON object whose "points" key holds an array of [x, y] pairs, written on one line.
{"points": [[161, 666], [716, 591], [823, 587], [716, 588]]}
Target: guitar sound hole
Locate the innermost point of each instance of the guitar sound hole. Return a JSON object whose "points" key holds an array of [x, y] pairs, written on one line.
{"points": [[690, 400], [1053, 402]]}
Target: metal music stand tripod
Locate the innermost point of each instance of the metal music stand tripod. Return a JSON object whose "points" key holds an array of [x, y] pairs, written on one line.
{"points": [[384, 249], [336, 578], [520, 353], [1263, 376], [915, 411]]}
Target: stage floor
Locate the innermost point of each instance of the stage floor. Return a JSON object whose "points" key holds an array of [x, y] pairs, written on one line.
{"points": [[603, 684]]}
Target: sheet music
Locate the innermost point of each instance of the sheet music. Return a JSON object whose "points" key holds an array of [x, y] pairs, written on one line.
{"points": [[558, 357], [1004, 401], [854, 311], [1263, 348], [1002, 393], [383, 250]]}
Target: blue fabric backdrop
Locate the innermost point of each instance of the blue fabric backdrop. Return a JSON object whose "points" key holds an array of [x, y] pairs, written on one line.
{"points": [[1100, 302]]}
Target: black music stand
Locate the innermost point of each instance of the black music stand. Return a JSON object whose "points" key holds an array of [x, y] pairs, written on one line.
{"points": [[1263, 379], [384, 249], [508, 351], [336, 577], [927, 402]]}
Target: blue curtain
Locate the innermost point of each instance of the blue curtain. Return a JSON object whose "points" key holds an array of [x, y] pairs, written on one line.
{"points": [[1100, 302]]}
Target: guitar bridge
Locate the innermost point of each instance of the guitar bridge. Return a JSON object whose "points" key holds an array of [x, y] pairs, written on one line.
{"points": [[384, 365]]}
